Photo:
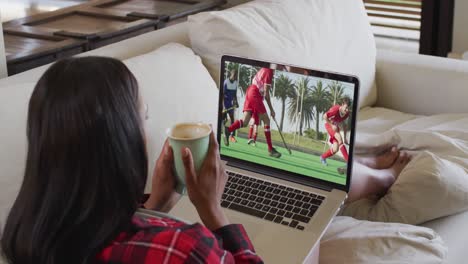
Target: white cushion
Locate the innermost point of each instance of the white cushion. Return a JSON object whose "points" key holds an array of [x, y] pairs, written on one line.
{"points": [[177, 88], [428, 188], [3, 65], [421, 84], [330, 35], [377, 120], [450, 228], [14, 101], [434, 184], [348, 240]]}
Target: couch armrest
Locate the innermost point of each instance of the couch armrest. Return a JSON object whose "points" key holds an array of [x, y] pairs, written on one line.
{"points": [[421, 84]]}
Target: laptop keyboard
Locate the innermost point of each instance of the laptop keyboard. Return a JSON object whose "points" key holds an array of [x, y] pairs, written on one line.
{"points": [[273, 202]]}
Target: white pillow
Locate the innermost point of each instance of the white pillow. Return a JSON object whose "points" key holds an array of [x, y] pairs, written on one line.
{"points": [[14, 101], [330, 35], [377, 120], [429, 187], [348, 240], [177, 88]]}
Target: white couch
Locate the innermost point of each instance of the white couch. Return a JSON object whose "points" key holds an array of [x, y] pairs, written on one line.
{"points": [[414, 84], [3, 67]]}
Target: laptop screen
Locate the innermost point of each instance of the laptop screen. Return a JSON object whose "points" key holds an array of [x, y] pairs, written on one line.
{"points": [[288, 118]]}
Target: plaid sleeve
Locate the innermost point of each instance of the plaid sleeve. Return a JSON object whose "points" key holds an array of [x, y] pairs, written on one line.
{"points": [[162, 240], [208, 249], [234, 239]]}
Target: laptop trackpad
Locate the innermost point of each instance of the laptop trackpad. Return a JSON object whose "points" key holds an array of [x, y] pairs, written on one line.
{"points": [[185, 210], [250, 223]]}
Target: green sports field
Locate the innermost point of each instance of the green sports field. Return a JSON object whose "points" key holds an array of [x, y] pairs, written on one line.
{"points": [[298, 162]]}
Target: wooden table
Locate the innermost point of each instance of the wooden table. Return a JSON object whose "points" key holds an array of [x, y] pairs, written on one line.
{"points": [[27, 51], [37, 40]]}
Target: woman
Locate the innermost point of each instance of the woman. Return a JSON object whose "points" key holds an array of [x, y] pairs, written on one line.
{"points": [[85, 175]]}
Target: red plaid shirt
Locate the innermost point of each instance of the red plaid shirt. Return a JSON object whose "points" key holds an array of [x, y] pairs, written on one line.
{"points": [[164, 240]]}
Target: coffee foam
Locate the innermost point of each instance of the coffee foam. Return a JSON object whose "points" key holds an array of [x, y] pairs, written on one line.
{"points": [[189, 131]]}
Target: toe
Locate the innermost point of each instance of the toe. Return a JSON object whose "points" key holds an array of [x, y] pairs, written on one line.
{"points": [[408, 158], [405, 158], [401, 159], [395, 151]]}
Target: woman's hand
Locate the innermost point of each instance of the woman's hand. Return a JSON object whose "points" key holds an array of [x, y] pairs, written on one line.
{"points": [[163, 195], [206, 188]]}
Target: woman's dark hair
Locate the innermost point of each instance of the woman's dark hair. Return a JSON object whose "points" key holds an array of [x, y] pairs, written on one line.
{"points": [[86, 165]]}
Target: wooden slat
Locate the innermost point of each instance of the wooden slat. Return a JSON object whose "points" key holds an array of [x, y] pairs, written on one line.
{"points": [[201, 6], [26, 20], [160, 9], [34, 32], [393, 14], [105, 13], [417, 3], [393, 10], [394, 26], [395, 17], [23, 46], [403, 2]]}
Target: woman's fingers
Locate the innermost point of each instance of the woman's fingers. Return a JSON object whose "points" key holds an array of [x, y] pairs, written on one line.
{"points": [[190, 174], [214, 146], [167, 153]]}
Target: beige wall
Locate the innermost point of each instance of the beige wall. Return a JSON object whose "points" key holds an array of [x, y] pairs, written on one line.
{"points": [[3, 68], [460, 27]]}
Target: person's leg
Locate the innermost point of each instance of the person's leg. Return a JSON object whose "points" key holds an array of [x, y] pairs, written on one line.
{"points": [[266, 120], [231, 116], [226, 113], [334, 145], [256, 122], [369, 182], [248, 109], [253, 130], [241, 122], [236, 125], [330, 152], [341, 145], [381, 161]]}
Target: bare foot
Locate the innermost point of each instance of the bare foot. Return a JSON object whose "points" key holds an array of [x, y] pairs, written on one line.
{"points": [[399, 164], [382, 161], [388, 176], [369, 182]]}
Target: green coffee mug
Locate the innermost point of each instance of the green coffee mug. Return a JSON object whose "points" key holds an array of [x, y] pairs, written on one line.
{"points": [[196, 137]]}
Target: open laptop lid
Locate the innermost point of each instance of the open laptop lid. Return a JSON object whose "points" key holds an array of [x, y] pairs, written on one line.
{"points": [[300, 98]]}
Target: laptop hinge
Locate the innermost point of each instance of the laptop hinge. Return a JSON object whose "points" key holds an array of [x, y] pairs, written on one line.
{"points": [[283, 176]]}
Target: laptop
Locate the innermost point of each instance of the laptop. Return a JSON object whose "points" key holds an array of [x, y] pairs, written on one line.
{"points": [[288, 177]]}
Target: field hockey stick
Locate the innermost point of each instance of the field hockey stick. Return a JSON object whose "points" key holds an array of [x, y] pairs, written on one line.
{"points": [[224, 114], [282, 138], [229, 109]]}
